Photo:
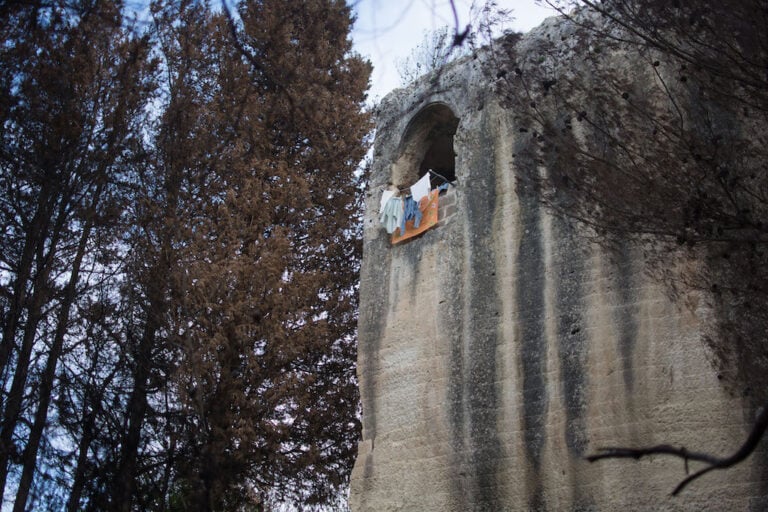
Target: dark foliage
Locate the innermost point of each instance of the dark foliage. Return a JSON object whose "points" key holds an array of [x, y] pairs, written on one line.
{"points": [[178, 258]]}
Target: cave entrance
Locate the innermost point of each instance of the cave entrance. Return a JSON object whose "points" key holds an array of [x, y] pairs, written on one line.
{"points": [[427, 145]]}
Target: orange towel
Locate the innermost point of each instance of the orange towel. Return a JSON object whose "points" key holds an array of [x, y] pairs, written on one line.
{"points": [[428, 207]]}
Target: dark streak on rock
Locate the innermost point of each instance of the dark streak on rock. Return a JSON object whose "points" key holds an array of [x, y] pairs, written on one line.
{"points": [[530, 317], [482, 393], [536, 501], [571, 333], [375, 275], [411, 252], [626, 314], [451, 320]]}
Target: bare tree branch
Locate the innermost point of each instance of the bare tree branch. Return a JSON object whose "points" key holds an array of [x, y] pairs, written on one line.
{"points": [[713, 462], [458, 37]]}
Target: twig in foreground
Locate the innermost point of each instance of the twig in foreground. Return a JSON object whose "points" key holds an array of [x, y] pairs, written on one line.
{"points": [[758, 429]]}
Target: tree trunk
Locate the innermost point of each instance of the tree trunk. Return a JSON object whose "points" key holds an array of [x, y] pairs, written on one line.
{"points": [[23, 276], [125, 478], [16, 394], [29, 457], [40, 296], [90, 407], [73, 502]]}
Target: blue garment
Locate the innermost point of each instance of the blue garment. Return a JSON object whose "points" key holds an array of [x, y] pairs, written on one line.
{"points": [[442, 187], [411, 212]]}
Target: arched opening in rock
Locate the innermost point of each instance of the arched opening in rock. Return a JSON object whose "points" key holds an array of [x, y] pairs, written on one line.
{"points": [[427, 145]]}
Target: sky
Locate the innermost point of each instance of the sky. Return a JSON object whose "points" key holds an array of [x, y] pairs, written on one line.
{"points": [[386, 31]]}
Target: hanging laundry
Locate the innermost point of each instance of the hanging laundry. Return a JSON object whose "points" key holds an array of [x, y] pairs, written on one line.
{"points": [[410, 212], [391, 215], [429, 210], [421, 188], [386, 196]]}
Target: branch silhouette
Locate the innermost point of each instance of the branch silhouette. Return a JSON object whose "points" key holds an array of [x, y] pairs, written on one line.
{"points": [[758, 430]]}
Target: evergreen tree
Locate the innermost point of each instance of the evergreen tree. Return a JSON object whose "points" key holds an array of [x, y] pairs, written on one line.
{"points": [[270, 265], [180, 252], [75, 83]]}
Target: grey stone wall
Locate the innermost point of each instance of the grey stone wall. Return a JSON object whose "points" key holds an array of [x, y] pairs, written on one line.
{"points": [[498, 348]]}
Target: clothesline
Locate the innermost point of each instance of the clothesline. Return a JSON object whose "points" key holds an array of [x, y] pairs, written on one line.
{"points": [[404, 212], [430, 171]]}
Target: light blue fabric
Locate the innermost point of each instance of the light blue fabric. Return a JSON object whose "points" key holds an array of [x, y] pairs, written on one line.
{"points": [[391, 215], [411, 211]]}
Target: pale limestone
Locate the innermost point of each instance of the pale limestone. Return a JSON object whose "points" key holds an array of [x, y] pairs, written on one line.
{"points": [[498, 349]]}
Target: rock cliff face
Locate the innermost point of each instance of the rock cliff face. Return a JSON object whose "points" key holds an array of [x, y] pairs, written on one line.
{"points": [[498, 348]]}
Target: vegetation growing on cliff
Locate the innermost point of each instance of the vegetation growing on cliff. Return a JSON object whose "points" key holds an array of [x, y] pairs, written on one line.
{"points": [[436, 49]]}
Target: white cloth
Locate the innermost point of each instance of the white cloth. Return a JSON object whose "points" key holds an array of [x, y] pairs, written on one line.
{"points": [[420, 188], [385, 196], [391, 215]]}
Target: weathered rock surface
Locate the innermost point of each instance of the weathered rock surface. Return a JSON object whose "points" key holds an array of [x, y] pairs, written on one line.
{"points": [[498, 348]]}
